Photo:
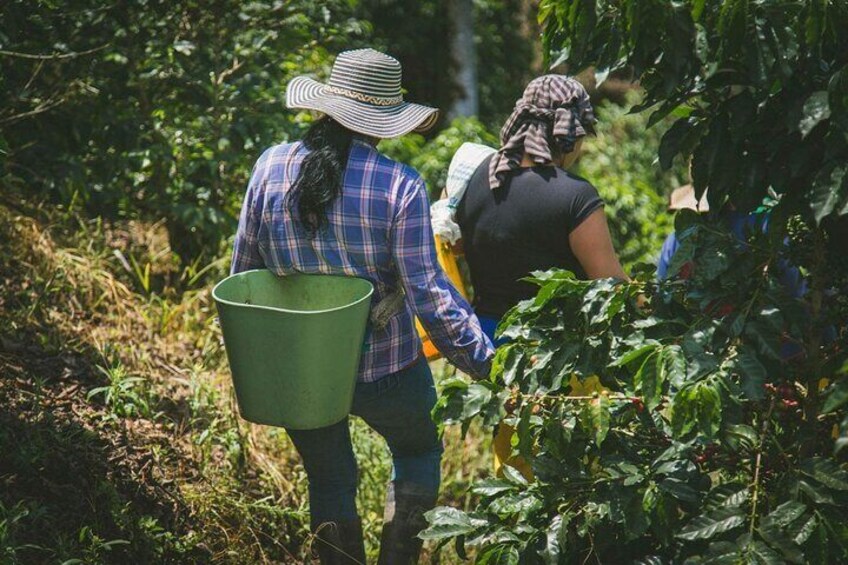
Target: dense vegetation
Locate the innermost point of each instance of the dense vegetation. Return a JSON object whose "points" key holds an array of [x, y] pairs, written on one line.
{"points": [[157, 110], [715, 422], [711, 418], [127, 132]]}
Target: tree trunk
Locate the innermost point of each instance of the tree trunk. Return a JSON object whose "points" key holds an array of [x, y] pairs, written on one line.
{"points": [[461, 13]]}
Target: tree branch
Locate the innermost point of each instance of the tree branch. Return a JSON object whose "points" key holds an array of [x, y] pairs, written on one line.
{"points": [[755, 496], [40, 109], [54, 56]]}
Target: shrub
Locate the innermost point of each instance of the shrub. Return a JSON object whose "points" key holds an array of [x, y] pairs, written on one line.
{"points": [[431, 158], [720, 437], [621, 162], [155, 109]]}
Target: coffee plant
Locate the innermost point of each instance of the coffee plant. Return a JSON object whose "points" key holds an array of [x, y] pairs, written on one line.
{"points": [[719, 433]]}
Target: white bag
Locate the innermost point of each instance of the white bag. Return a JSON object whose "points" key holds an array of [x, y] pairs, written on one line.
{"points": [[443, 212]]}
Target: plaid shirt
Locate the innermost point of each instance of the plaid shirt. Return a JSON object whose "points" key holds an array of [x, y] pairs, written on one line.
{"points": [[378, 229]]}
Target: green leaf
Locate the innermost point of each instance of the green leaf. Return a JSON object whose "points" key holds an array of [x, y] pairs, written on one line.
{"points": [[554, 541], [722, 553], [512, 475], [474, 399], [786, 513], [827, 472], [805, 529], [836, 395], [829, 192], [697, 9], [671, 142], [715, 522], [728, 495], [818, 547], [599, 415], [741, 437], [752, 375], [635, 354], [499, 554], [447, 522], [816, 492], [184, 47], [520, 504], [838, 101], [649, 560], [675, 365], [523, 432], [651, 377], [697, 405], [492, 487], [763, 554], [513, 365], [680, 490], [816, 110]]}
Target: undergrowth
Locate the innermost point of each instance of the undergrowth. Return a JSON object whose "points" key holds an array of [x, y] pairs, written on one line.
{"points": [[119, 429]]}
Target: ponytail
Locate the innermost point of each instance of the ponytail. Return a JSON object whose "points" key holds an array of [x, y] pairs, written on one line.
{"points": [[319, 181]]}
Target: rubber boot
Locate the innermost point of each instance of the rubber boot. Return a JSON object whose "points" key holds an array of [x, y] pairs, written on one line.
{"points": [[339, 543], [403, 519]]}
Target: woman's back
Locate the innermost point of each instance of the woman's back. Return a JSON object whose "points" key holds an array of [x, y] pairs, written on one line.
{"points": [[354, 240], [520, 227], [377, 228]]}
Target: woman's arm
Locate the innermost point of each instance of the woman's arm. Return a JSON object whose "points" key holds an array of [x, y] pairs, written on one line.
{"points": [[444, 313], [592, 245]]}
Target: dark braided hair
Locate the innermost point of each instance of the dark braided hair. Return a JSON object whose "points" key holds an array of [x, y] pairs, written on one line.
{"points": [[319, 181]]}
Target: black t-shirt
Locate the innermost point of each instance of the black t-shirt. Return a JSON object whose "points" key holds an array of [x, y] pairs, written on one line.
{"points": [[521, 226]]}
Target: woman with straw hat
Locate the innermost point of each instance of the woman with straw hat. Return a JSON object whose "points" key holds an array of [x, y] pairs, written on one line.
{"points": [[331, 204]]}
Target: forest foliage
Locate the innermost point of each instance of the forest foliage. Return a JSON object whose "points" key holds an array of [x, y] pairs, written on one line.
{"points": [[716, 421], [154, 109], [157, 110]]}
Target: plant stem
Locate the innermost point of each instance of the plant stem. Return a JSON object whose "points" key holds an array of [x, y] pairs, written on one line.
{"points": [[755, 496]]}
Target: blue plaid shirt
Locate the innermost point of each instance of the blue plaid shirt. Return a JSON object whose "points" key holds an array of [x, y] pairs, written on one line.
{"points": [[378, 229]]}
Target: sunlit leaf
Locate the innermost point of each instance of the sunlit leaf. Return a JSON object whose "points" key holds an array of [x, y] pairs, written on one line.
{"points": [[446, 522], [816, 110], [715, 522]]}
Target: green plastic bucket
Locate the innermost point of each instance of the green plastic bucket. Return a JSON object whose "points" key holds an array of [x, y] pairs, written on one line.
{"points": [[293, 344]]}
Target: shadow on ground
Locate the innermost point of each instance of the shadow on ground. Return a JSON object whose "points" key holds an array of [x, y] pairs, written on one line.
{"points": [[72, 485]]}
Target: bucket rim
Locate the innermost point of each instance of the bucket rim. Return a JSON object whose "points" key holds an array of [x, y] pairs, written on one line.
{"points": [[366, 296]]}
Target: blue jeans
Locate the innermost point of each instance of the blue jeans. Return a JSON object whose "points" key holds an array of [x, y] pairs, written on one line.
{"points": [[398, 408]]}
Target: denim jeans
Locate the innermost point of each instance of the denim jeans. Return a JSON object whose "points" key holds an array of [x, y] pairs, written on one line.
{"points": [[398, 408]]}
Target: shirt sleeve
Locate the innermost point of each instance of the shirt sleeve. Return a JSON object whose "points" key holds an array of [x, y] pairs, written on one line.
{"points": [[246, 247], [445, 314], [584, 200]]}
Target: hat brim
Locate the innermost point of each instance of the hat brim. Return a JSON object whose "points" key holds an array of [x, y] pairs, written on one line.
{"points": [[376, 121]]}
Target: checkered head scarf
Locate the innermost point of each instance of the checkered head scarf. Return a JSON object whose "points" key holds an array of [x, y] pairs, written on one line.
{"points": [[548, 119]]}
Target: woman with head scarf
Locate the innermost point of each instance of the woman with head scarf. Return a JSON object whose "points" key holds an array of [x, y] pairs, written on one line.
{"points": [[332, 204], [523, 211]]}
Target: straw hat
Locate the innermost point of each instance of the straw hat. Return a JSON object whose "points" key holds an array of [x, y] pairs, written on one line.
{"points": [[364, 95]]}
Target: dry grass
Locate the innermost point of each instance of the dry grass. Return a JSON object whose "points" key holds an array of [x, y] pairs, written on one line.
{"points": [[107, 295]]}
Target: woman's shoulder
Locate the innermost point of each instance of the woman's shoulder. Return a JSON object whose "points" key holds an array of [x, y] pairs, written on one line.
{"points": [[561, 190], [366, 155], [556, 179], [579, 187], [278, 152]]}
